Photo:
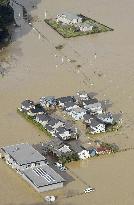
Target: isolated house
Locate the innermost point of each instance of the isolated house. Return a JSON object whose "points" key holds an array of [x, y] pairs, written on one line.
{"points": [[96, 126], [69, 18], [22, 156], [26, 105]]}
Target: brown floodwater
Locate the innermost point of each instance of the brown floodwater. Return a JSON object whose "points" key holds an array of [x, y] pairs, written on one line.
{"points": [[36, 70]]}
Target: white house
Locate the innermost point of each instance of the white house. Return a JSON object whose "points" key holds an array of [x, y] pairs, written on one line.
{"points": [[96, 126], [82, 95], [84, 27], [77, 113], [69, 18], [27, 105], [84, 154], [76, 147], [95, 108]]}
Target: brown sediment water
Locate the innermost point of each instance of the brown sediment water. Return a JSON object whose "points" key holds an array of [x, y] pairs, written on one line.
{"points": [[107, 63]]}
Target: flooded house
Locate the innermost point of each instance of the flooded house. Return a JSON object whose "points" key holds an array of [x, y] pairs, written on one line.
{"points": [[27, 105], [106, 118], [48, 101], [85, 27], [63, 100], [77, 113], [69, 18], [77, 148], [43, 119], [96, 126]]}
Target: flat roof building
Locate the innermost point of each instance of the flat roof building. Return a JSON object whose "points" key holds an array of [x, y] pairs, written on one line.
{"points": [[43, 178], [21, 156]]}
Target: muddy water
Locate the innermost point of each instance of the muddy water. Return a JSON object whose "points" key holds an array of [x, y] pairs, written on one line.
{"points": [[34, 73]]}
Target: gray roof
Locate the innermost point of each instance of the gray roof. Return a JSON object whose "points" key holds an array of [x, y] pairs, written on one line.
{"points": [[90, 101], [87, 117], [70, 15], [43, 117], [23, 153], [69, 104], [75, 146], [42, 176], [95, 122], [27, 103], [65, 99], [53, 121], [61, 130]]}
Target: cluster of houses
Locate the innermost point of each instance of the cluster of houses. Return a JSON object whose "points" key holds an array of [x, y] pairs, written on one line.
{"points": [[54, 126], [77, 20], [32, 161], [80, 107]]}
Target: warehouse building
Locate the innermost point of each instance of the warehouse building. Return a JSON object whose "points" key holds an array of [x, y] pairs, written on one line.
{"points": [[22, 156], [43, 178]]}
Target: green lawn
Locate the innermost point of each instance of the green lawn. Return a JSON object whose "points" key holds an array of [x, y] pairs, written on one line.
{"points": [[68, 31]]}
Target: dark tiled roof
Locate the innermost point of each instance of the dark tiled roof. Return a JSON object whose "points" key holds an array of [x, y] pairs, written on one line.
{"points": [[44, 117], [27, 103], [65, 99], [91, 101]]}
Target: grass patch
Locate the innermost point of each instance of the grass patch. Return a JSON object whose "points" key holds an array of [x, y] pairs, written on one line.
{"points": [[32, 120], [68, 31]]}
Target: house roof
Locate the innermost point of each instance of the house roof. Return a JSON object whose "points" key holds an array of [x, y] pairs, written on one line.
{"points": [[69, 104], [37, 110], [87, 117], [95, 122], [53, 121], [27, 103], [23, 154], [75, 145], [43, 176], [65, 99], [78, 110], [43, 117], [90, 101], [61, 130], [70, 15], [49, 128]]}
